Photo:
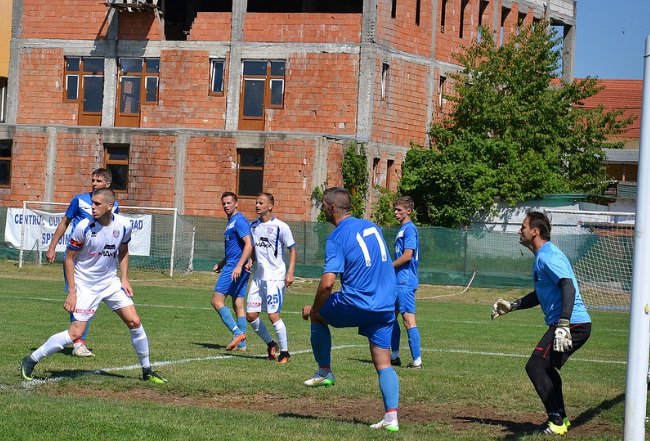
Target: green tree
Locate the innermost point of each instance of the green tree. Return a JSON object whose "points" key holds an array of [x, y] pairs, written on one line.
{"points": [[515, 133], [355, 177]]}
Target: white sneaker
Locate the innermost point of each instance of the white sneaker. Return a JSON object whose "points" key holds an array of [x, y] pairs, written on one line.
{"points": [[317, 380], [82, 351], [391, 426]]}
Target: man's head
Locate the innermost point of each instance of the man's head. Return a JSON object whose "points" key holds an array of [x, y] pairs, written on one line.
{"points": [[264, 204], [535, 227], [402, 208], [103, 200], [229, 203], [101, 178], [336, 200]]}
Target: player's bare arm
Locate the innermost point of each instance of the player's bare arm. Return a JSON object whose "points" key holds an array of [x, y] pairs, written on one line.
{"points": [[68, 268], [404, 259], [124, 269], [58, 234], [288, 279], [245, 255]]}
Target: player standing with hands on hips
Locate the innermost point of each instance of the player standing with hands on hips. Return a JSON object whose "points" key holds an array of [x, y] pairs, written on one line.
{"points": [[357, 251], [569, 324], [95, 250]]}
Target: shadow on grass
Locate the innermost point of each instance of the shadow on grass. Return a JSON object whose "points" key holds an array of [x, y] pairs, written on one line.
{"points": [[234, 354], [210, 345], [312, 417], [519, 429]]}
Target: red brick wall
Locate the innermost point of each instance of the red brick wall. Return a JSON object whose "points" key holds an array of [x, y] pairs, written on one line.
{"points": [[297, 27], [401, 117], [139, 26], [320, 95], [183, 94], [41, 89], [401, 32], [211, 26], [27, 170], [65, 19]]}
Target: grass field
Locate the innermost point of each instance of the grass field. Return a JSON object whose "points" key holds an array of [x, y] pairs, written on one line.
{"points": [[473, 386]]}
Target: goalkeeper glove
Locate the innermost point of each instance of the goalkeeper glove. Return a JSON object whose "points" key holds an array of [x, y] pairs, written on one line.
{"points": [[562, 341], [502, 307]]}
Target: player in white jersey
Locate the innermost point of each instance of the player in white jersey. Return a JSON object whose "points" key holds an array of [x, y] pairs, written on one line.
{"points": [[95, 249], [80, 208], [270, 237]]}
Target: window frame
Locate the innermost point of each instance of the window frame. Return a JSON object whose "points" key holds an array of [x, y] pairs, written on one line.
{"points": [[144, 75], [211, 90], [250, 168], [109, 163], [7, 159]]}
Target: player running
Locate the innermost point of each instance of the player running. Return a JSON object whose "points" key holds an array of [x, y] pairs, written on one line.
{"points": [[95, 249], [270, 277], [357, 250]]}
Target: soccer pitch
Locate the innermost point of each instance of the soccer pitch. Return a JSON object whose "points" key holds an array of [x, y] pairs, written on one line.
{"points": [[473, 385]]}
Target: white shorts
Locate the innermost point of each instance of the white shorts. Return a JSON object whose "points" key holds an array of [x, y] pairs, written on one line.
{"points": [[89, 297], [265, 295]]}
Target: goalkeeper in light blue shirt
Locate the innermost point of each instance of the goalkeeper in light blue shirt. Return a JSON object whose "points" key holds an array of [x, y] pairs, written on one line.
{"points": [[358, 252], [569, 324]]}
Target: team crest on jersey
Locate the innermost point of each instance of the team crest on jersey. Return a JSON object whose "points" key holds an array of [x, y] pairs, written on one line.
{"points": [[116, 233], [269, 230]]}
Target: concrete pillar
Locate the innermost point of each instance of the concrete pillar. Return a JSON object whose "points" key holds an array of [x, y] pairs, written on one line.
{"points": [[14, 61], [234, 63], [367, 70]]}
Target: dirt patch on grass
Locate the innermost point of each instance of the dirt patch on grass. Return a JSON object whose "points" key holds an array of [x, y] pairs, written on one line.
{"points": [[460, 419]]}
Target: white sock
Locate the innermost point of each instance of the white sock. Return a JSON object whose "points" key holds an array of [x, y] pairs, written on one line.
{"points": [[281, 331], [260, 329], [390, 416], [417, 361], [140, 343], [53, 345]]}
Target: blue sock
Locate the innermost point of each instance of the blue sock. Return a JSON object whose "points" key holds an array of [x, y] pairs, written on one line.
{"points": [[389, 387], [414, 342], [321, 344], [397, 334], [226, 318], [241, 324]]}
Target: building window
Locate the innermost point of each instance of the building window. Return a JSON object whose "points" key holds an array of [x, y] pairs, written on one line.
{"points": [[138, 80], [84, 84], [521, 20], [384, 80], [3, 98], [461, 27], [443, 13], [393, 9], [262, 88], [5, 162], [116, 159], [441, 92], [216, 76], [390, 174], [376, 172], [250, 177], [502, 29], [417, 12], [481, 12]]}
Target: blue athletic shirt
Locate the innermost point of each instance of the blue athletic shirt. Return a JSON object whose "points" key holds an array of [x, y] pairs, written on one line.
{"points": [[81, 208], [357, 251], [549, 267], [237, 228], [408, 239]]}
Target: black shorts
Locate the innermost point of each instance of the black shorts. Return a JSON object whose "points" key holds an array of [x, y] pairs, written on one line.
{"points": [[579, 335]]}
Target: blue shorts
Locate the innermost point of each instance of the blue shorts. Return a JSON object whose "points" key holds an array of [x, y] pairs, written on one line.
{"points": [[376, 325], [226, 286], [405, 299]]}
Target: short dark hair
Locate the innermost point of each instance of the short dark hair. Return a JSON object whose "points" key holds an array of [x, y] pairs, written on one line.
{"points": [[537, 219], [268, 196], [104, 173], [404, 201], [338, 196], [107, 193], [226, 194]]}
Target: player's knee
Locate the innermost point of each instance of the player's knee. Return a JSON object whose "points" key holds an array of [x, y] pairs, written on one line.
{"points": [[133, 323], [251, 316], [535, 367], [217, 302]]}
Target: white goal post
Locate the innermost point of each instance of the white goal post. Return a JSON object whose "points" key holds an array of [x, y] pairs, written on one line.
{"points": [[600, 246], [161, 239]]}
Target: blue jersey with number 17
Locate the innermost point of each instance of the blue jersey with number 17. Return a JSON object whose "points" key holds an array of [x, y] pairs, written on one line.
{"points": [[357, 251]]}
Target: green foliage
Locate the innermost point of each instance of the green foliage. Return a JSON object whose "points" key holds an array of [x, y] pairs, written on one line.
{"points": [[355, 177], [513, 134], [382, 212], [317, 201]]}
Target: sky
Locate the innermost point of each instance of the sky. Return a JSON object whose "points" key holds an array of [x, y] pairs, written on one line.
{"points": [[610, 38]]}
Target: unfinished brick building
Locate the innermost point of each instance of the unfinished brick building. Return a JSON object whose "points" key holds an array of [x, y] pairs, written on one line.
{"points": [[186, 99]]}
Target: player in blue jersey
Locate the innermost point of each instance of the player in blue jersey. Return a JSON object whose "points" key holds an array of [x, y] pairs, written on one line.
{"points": [[569, 324], [407, 256], [357, 251], [95, 249], [270, 277], [234, 277], [79, 209]]}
